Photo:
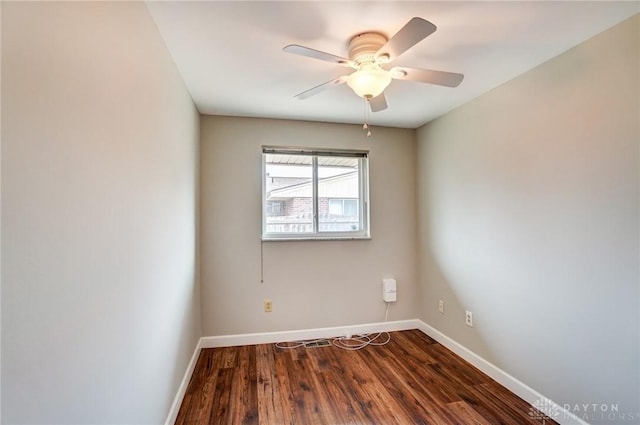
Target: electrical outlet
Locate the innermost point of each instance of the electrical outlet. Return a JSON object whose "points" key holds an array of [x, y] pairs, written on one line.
{"points": [[441, 307], [468, 318], [268, 306]]}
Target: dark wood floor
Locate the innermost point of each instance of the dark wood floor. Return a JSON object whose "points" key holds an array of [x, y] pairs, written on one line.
{"points": [[411, 380]]}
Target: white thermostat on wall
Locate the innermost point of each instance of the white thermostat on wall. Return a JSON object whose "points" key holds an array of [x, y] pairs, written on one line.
{"points": [[389, 290]]}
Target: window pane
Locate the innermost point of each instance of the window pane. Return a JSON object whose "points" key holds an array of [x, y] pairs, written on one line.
{"points": [[338, 194], [288, 184], [335, 207], [275, 208], [351, 208]]}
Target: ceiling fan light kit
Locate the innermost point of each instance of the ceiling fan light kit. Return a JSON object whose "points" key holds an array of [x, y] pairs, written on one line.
{"points": [[363, 47], [368, 53], [369, 81]]}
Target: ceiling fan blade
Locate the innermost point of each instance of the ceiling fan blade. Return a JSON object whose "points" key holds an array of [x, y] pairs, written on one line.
{"points": [[441, 78], [411, 34], [322, 87], [378, 103], [317, 54]]}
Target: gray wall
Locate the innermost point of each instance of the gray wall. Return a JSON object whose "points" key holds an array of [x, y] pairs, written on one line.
{"points": [[100, 310], [312, 283], [528, 216]]}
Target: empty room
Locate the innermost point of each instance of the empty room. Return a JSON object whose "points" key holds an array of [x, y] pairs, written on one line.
{"points": [[320, 212]]}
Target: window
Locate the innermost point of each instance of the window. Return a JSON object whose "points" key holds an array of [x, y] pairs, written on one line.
{"points": [[314, 194], [343, 207], [274, 208]]}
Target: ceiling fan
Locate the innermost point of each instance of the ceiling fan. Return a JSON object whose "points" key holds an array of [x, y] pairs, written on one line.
{"points": [[369, 53]]}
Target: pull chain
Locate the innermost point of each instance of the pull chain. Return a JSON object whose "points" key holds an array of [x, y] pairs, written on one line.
{"points": [[367, 108]]}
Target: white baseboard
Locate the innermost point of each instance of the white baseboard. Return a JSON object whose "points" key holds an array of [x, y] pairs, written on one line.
{"points": [[522, 390], [303, 334], [182, 389], [514, 385]]}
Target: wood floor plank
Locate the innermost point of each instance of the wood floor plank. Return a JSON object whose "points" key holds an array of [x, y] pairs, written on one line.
{"points": [[286, 395], [270, 403], [222, 403], [446, 382], [372, 395], [300, 389], [413, 347], [412, 380], [345, 398], [509, 403], [430, 380], [466, 415], [244, 399], [342, 400], [417, 394], [325, 400], [456, 366], [198, 401]]}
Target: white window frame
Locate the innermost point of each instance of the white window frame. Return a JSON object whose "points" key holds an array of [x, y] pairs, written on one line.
{"points": [[363, 199]]}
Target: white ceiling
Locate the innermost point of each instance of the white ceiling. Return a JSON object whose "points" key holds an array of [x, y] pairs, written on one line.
{"points": [[230, 53]]}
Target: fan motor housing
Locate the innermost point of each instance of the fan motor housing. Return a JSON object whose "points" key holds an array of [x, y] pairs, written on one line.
{"points": [[363, 47]]}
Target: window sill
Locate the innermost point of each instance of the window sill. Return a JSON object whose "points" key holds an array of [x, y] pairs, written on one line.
{"points": [[316, 238]]}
